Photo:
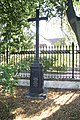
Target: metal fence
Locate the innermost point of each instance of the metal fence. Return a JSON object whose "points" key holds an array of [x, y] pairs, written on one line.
{"points": [[58, 61]]}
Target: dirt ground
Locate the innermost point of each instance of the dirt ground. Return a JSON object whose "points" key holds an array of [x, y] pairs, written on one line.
{"points": [[59, 105]]}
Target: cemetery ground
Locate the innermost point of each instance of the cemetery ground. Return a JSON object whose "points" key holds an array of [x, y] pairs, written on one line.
{"points": [[59, 105]]}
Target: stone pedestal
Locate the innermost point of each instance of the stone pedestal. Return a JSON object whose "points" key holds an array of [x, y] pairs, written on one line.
{"points": [[36, 78], [36, 89]]}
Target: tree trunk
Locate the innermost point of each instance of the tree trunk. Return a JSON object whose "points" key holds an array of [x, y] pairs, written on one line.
{"points": [[73, 20]]}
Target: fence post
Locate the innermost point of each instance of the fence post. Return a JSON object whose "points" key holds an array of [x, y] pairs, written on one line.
{"points": [[72, 60], [7, 54]]}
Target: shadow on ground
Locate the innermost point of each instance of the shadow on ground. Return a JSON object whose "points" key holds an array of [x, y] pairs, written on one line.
{"points": [[59, 105]]}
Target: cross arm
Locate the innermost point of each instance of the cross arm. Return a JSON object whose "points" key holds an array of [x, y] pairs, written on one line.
{"points": [[43, 18], [35, 19], [31, 19]]}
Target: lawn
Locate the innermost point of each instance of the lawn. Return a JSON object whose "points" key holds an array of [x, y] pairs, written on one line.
{"points": [[59, 105]]}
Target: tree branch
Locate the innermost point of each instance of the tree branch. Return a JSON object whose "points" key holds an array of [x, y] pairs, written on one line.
{"points": [[73, 20]]}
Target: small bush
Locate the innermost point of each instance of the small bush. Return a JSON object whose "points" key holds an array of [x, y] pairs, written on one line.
{"points": [[7, 79]]}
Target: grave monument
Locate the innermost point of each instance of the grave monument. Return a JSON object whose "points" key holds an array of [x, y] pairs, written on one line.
{"points": [[36, 89]]}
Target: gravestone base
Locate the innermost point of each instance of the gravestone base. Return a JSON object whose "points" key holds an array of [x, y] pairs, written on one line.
{"points": [[36, 78], [30, 95], [36, 90]]}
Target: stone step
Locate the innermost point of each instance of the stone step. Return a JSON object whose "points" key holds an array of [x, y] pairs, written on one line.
{"points": [[54, 84]]}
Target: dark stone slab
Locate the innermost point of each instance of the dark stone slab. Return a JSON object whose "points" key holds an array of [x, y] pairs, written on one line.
{"points": [[36, 78]]}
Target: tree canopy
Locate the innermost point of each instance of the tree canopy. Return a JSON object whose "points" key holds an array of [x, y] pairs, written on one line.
{"points": [[13, 19], [14, 15]]}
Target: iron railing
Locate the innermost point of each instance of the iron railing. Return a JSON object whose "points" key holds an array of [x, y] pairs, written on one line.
{"points": [[58, 61]]}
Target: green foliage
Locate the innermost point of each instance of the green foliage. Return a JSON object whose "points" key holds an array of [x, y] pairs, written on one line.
{"points": [[13, 20], [24, 65], [55, 7], [14, 15], [60, 68], [7, 79], [48, 62]]}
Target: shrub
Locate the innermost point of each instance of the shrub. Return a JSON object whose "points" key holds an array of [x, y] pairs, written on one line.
{"points": [[7, 79]]}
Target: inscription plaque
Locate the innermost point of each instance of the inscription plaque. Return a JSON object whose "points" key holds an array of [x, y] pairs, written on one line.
{"points": [[35, 82]]}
